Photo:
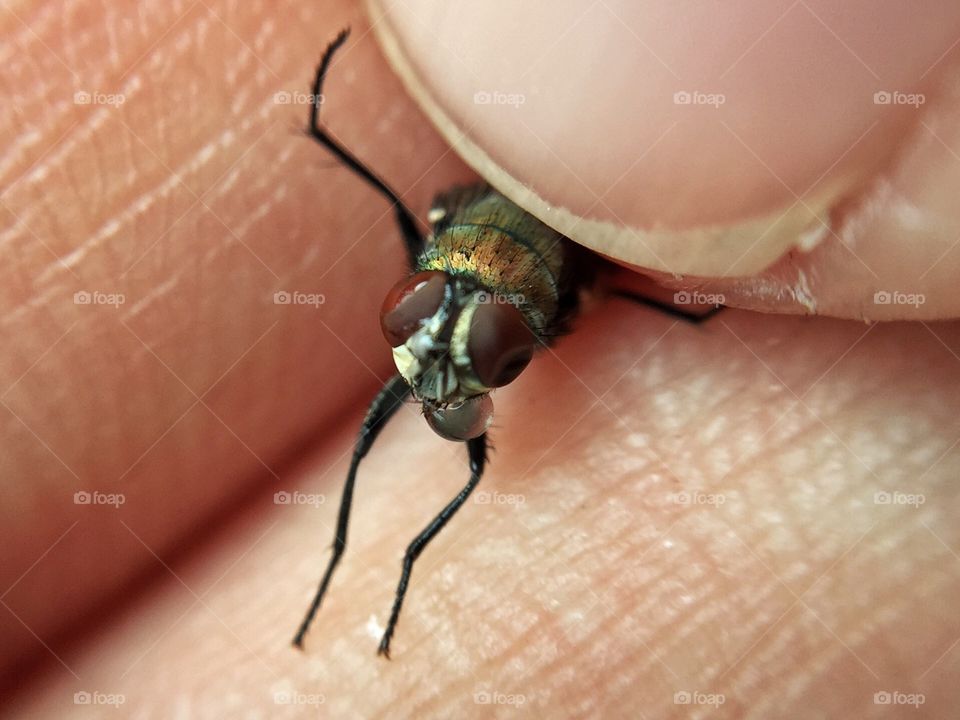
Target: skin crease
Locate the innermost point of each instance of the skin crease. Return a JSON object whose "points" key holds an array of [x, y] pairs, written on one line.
{"points": [[601, 594]]}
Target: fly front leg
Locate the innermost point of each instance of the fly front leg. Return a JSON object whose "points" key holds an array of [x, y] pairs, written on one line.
{"points": [[477, 452], [383, 407], [412, 238]]}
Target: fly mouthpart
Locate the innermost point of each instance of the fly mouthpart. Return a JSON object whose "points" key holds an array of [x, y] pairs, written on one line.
{"points": [[463, 421]]}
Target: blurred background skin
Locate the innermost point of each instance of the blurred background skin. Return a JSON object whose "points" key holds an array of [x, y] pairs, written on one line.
{"points": [[198, 398]]}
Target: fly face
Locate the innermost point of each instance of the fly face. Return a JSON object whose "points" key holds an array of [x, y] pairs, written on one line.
{"points": [[453, 342]]}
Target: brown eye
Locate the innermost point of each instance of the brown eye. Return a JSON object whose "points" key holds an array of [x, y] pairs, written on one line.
{"points": [[500, 343], [410, 301]]}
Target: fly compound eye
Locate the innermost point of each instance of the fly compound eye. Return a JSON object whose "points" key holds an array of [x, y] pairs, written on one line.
{"points": [[464, 421], [500, 343], [410, 301]]}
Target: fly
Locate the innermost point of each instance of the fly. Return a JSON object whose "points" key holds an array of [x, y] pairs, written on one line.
{"points": [[488, 287]]}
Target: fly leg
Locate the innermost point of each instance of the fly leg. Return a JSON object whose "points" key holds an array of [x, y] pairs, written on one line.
{"points": [[383, 407], [412, 237], [477, 451]]}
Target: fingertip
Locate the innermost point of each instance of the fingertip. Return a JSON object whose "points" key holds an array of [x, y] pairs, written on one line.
{"points": [[678, 140]]}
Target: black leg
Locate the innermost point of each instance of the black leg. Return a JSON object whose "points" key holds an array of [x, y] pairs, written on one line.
{"points": [[668, 309], [408, 226], [477, 450], [387, 402]]}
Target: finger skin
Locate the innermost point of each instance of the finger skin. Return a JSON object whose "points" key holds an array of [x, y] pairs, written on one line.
{"points": [[196, 199], [805, 153], [597, 573]]}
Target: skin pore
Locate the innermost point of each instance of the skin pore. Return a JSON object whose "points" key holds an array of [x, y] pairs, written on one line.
{"points": [[668, 509]]}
